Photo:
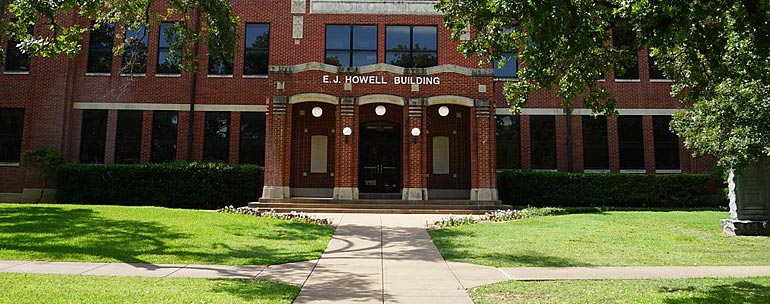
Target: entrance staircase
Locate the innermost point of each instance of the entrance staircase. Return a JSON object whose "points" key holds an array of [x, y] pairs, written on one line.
{"points": [[392, 206]]}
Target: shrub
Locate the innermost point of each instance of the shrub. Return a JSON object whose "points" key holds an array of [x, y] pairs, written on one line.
{"points": [[176, 185], [618, 190]]}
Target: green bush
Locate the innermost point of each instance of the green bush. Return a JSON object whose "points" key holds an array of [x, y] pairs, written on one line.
{"points": [[562, 189], [176, 185]]}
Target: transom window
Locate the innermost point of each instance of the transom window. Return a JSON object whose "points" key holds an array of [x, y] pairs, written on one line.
{"points": [[257, 47], [411, 46], [351, 45]]}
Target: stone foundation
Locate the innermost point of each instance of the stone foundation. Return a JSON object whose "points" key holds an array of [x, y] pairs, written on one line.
{"points": [[745, 227]]}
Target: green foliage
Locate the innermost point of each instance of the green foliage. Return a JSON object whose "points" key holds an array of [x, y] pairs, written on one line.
{"points": [[48, 159], [179, 185], [616, 190]]}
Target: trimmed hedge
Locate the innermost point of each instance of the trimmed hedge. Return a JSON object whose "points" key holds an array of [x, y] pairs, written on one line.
{"points": [[176, 185], [563, 189]]}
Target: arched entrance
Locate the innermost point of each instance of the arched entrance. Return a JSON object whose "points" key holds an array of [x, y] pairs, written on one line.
{"points": [[380, 160]]}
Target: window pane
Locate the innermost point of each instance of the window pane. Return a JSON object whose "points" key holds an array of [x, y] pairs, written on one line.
{"points": [[595, 147], [364, 58], [510, 69], [135, 56], [164, 133], [216, 137], [655, 72], [625, 39], [397, 38], [337, 37], [319, 151], [15, 60], [252, 146], [222, 65], [128, 137], [543, 141], [255, 60], [425, 59], [257, 36], [168, 61], [440, 155], [631, 142], [365, 37], [100, 49], [11, 128], [508, 140], [338, 58], [424, 38], [255, 63], [666, 144], [403, 59], [92, 136]]}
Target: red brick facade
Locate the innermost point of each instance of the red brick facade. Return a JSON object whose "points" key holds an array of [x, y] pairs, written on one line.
{"points": [[56, 91]]}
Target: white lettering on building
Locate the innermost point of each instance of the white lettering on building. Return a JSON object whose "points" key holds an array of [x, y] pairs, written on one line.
{"points": [[382, 80]]}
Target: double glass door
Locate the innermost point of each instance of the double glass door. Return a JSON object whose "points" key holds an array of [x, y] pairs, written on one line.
{"points": [[380, 158]]}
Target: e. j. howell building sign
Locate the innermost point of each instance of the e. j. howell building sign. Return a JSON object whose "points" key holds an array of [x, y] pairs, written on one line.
{"points": [[381, 80]]}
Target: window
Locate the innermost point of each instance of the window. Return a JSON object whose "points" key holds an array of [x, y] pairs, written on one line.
{"points": [[319, 153], [411, 46], [595, 147], [655, 72], [11, 128], [252, 146], [93, 133], [351, 45], [100, 48], [508, 142], [666, 144], [220, 63], [440, 155], [128, 137], [255, 57], [625, 39], [15, 60], [135, 55], [631, 142], [164, 133], [510, 69], [543, 141], [168, 59], [216, 137]]}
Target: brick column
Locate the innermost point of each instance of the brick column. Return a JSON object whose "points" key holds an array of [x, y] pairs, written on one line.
{"points": [[277, 150], [578, 159], [649, 144], [345, 157], [612, 143], [109, 141], [146, 137], [526, 143], [484, 177], [561, 142], [235, 137], [415, 179]]}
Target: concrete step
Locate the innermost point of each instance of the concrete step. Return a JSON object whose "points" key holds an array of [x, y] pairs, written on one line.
{"points": [[381, 201], [375, 206], [385, 211], [322, 205]]}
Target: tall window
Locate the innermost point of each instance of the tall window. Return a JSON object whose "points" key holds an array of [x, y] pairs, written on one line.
{"points": [[220, 63], [666, 144], [100, 48], [543, 141], [595, 148], [168, 60], [655, 71], [255, 57], [510, 69], [631, 142], [351, 45], [411, 46], [15, 60], [625, 39], [252, 145], [11, 128], [164, 133], [128, 137], [93, 133], [216, 137], [135, 55], [508, 142]]}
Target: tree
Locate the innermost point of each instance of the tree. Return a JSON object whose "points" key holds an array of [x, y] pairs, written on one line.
{"points": [[65, 19], [49, 161], [717, 53]]}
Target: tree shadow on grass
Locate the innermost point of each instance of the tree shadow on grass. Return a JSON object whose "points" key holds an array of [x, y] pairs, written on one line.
{"points": [[257, 290], [738, 292]]}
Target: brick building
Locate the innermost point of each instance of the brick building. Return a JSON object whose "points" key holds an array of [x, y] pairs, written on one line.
{"points": [[336, 98]]}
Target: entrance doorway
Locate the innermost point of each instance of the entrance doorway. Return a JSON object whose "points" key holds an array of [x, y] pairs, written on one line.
{"points": [[380, 160]]}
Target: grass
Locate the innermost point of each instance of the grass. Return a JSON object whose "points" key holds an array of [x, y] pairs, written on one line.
{"points": [[45, 288], [153, 235], [605, 239], [670, 291]]}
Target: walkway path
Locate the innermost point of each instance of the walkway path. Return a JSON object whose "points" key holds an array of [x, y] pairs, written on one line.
{"points": [[382, 259]]}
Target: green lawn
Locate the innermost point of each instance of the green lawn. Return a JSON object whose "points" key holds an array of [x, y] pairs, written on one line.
{"points": [[605, 239], [45, 288], [676, 291], [153, 235]]}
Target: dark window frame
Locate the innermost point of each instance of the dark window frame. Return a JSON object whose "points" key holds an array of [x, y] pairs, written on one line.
{"points": [[596, 152], [351, 45], [411, 49], [514, 161], [13, 54], [221, 64], [141, 50], [11, 136], [511, 61], [165, 148], [93, 141], [216, 148], [166, 64], [539, 142], [248, 141], [256, 50], [665, 140], [620, 41], [128, 142], [654, 72], [101, 60], [631, 148]]}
